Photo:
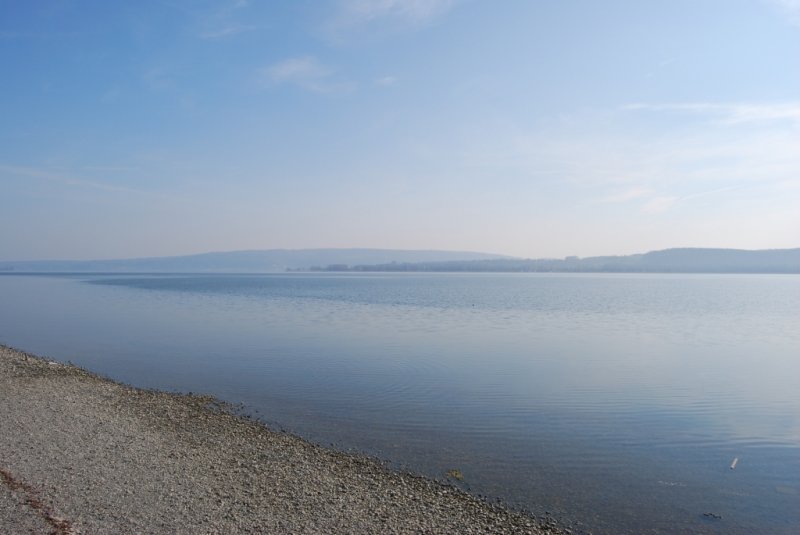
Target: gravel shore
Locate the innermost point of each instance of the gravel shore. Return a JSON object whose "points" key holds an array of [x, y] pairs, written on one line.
{"points": [[83, 454]]}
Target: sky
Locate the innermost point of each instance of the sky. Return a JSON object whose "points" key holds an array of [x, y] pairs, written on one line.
{"points": [[532, 128]]}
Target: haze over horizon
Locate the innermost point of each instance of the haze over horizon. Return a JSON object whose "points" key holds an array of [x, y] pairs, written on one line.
{"points": [[526, 128]]}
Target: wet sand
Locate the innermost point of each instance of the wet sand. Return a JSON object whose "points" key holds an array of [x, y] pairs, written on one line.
{"points": [[84, 454]]}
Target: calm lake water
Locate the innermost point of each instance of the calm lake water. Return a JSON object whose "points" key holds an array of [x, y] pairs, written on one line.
{"points": [[615, 401]]}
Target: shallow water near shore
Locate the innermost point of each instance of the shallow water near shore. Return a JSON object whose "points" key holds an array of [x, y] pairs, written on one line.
{"points": [[616, 401]]}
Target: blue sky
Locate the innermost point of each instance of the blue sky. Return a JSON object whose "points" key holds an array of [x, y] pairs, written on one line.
{"points": [[533, 128]]}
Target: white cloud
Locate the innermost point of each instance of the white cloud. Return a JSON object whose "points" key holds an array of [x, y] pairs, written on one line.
{"points": [[712, 192], [32, 172], [658, 205], [297, 70], [383, 17], [650, 159], [791, 8], [165, 81], [158, 79], [221, 21], [386, 81], [625, 196], [729, 113], [663, 203], [227, 30], [412, 11], [308, 73]]}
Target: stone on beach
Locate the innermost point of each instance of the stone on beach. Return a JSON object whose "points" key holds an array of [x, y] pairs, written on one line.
{"points": [[102, 457]]}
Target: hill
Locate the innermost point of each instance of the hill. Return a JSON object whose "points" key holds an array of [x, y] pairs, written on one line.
{"points": [[271, 260], [685, 260]]}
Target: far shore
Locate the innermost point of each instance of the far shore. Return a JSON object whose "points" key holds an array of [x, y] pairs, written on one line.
{"points": [[84, 454]]}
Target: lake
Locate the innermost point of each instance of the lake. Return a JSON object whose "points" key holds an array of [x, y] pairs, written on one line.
{"points": [[614, 401]]}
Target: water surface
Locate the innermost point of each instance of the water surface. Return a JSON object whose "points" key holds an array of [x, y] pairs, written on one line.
{"points": [[618, 401]]}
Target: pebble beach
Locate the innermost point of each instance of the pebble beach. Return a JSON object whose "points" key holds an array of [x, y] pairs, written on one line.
{"points": [[83, 454]]}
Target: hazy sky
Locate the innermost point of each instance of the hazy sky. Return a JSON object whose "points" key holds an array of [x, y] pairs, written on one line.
{"points": [[532, 128]]}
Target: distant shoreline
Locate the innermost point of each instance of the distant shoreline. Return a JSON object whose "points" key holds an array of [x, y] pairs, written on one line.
{"points": [[678, 260], [365, 272], [84, 454]]}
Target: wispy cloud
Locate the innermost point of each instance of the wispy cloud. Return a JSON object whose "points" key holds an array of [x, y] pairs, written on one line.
{"points": [[790, 8], [165, 81], [663, 203], [306, 72], [158, 79], [108, 168], [728, 113], [624, 196], [653, 202], [297, 70], [11, 35], [660, 204], [382, 17], [64, 179], [226, 30], [410, 11], [222, 22], [386, 81], [652, 159], [736, 146]]}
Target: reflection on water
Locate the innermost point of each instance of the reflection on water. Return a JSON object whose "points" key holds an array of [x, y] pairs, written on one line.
{"points": [[616, 400]]}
